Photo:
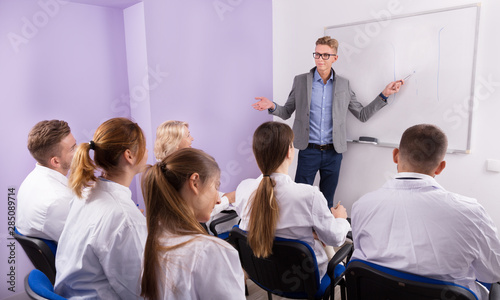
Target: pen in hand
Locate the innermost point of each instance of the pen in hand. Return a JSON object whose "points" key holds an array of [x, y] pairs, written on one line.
{"points": [[339, 211]]}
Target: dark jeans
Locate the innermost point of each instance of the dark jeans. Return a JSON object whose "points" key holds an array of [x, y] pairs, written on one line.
{"points": [[328, 164]]}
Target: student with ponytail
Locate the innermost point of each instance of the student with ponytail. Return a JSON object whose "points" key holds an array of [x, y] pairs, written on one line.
{"points": [[101, 246], [181, 261], [274, 205]]}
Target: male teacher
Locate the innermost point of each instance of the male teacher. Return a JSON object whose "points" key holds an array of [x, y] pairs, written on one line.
{"points": [[321, 99]]}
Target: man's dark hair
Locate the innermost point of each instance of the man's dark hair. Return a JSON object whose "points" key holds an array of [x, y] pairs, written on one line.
{"points": [[44, 139], [423, 147]]}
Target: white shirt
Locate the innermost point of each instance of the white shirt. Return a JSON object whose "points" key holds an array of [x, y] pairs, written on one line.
{"points": [[302, 209], [44, 201], [205, 268], [415, 225], [100, 252]]}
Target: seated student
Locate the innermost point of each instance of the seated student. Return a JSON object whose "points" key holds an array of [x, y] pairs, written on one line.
{"points": [[174, 135], [44, 197], [100, 250], [274, 205], [181, 261], [414, 225]]}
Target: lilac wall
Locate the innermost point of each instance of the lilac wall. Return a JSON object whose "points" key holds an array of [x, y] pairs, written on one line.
{"points": [[72, 66], [206, 61], [217, 56]]}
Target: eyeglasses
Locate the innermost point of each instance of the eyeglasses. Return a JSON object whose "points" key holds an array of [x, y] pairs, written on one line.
{"points": [[325, 56]]}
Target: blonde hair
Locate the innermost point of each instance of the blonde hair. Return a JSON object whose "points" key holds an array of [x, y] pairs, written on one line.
{"points": [[110, 140], [166, 210], [326, 40], [271, 143], [168, 137]]}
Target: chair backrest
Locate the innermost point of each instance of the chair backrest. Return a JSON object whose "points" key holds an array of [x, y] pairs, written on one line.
{"points": [[291, 271], [39, 287], [41, 254], [365, 280], [222, 225]]}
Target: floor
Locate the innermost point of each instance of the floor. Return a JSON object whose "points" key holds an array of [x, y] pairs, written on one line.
{"points": [[256, 293], [18, 296]]}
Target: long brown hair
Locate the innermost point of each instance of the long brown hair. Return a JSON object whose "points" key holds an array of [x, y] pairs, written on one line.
{"points": [[271, 143], [167, 211], [110, 140]]}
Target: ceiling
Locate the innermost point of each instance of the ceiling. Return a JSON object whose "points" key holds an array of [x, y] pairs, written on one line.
{"points": [[108, 3]]}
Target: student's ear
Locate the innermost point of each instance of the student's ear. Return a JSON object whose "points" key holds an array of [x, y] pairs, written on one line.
{"points": [[440, 168], [395, 155], [54, 162], [128, 156], [194, 183], [291, 152]]}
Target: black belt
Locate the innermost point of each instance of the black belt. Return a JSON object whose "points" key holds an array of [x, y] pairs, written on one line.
{"points": [[321, 147]]}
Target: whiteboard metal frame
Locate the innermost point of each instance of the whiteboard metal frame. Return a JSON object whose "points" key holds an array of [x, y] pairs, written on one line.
{"points": [[471, 101]]}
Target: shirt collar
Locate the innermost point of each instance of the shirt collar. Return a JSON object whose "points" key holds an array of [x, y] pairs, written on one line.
{"points": [[426, 179], [317, 77], [413, 175], [53, 173]]}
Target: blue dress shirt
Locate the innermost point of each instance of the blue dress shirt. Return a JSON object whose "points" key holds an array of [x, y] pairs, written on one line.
{"points": [[320, 119]]}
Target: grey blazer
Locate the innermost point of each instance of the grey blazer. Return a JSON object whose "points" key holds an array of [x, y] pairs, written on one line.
{"points": [[344, 99]]}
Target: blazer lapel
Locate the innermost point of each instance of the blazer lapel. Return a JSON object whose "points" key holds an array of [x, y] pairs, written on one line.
{"points": [[310, 76]]}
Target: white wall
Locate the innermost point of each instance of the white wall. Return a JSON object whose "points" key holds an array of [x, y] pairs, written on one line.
{"points": [[296, 26]]}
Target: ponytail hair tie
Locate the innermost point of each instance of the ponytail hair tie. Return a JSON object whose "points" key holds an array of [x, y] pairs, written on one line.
{"points": [[265, 175], [92, 145]]}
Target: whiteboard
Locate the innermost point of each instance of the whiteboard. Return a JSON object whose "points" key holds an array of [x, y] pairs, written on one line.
{"points": [[438, 49]]}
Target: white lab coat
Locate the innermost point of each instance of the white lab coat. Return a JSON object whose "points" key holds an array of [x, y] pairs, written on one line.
{"points": [[205, 268], [302, 209], [43, 203], [100, 250], [415, 225]]}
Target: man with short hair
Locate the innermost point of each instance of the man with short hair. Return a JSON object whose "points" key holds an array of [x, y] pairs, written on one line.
{"points": [[412, 224], [320, 100], [44, 197]]}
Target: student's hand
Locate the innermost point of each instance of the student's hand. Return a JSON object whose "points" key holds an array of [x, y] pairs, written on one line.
{"points": [[339, 211], [263, 103], [393, 87], [231, 197]]}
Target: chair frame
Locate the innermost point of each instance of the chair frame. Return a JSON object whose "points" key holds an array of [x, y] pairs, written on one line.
{"points": [[229, 215], [39, 254], [34, 295], [386, 283], [291, 271]]}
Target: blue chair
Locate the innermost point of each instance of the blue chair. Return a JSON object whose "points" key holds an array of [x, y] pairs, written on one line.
{"points": [[292, 270], [41, 252], [365, 280], [229, 216], [39, 287]]}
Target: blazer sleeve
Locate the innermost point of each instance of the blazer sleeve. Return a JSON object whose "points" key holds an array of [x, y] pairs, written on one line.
{"points": [[363, 113], [288, 109]]}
